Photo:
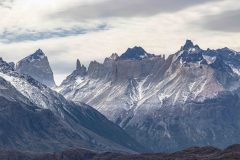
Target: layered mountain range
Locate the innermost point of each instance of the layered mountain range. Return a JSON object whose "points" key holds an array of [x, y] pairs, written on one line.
{"points": [[35, 118], [133, 102], [189, 99]]}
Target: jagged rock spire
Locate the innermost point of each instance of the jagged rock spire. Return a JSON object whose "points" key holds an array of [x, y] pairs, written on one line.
{"points": [[78, 65], [80, 69]]}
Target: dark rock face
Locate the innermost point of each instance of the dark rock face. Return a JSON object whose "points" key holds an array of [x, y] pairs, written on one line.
{"points": [[159, 101], [37, 66], [194, 153], [27, 128]]}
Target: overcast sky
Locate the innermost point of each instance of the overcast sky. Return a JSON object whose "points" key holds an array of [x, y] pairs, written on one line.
{"points": [[93, 29]]}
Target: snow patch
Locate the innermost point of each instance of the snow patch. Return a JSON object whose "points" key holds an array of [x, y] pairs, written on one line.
{"points": [[235, 70], [209, 59], [191, 50], [79, 80]]}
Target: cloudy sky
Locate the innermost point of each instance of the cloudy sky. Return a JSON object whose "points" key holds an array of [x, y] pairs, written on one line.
{"points": [[93, 29]]}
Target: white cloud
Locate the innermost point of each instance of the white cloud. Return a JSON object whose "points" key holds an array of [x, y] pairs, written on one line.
{"points": [[161, 34]]}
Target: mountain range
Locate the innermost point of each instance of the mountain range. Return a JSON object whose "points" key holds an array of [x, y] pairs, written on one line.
{"points": [[133, 102], [159, 101]]}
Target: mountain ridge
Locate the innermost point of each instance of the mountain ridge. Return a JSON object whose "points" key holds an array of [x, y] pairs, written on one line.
{"points": [[145, 96], [158, 101]]}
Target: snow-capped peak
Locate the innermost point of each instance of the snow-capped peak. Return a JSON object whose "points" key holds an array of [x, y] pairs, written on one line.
{"points": [[38, 55], [190, 53]]}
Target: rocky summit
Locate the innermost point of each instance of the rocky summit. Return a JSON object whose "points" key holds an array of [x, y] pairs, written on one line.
{"points": [[37, 66]]}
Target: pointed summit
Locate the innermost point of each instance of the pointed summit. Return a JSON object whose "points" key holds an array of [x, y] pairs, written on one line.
{"points": [[188, 45], [135, 53], [37, 66], [37, 55], [39, 52], [190, 53]]}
